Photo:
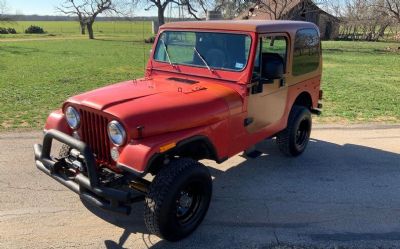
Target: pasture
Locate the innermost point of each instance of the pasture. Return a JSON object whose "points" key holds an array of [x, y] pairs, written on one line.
{"points": [[361, 80], [135, 29]]}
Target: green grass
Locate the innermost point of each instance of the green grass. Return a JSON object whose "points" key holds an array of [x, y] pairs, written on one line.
{"points": [[361, 80], [71, 27], [36, 76]]}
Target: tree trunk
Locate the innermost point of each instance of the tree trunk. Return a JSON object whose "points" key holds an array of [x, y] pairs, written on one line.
{"points": [[382, 29], [89, 26], [83, 28], [161, 19]]}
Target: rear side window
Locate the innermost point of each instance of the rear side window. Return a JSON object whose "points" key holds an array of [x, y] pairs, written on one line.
{"points": [[306, 54]]}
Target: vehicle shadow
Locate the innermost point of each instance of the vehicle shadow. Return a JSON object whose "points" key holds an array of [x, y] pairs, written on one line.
{"points": [[330, 187]]}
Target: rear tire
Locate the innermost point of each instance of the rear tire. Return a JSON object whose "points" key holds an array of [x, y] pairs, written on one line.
{"points": [[178, 199], [293, 140]]}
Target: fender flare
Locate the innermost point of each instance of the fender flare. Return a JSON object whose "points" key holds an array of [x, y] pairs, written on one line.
{"points": [[212, 152]]}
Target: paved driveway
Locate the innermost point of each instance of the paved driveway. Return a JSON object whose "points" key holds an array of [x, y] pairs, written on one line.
{"points": [[345, 190]]}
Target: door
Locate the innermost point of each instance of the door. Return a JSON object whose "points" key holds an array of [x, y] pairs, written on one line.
{"points": [[268, 94]]}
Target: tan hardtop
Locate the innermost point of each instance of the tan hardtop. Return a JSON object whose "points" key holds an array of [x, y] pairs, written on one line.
{"points": [[259, 26]]}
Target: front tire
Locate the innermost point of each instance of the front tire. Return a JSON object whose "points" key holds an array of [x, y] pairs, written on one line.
{"points": [[178, 199], [293, 140]]}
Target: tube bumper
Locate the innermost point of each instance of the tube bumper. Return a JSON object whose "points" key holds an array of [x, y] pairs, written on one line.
{"points": [[88, 187]]}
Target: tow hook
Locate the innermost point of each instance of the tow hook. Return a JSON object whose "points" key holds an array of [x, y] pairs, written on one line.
{"points": [[76, 160]]}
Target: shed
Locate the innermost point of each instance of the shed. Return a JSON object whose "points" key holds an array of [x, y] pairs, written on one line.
{"points": [[299, 10]]}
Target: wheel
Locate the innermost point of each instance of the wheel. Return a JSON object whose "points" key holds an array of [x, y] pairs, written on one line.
{"points": [[293, 140], [178, 199]]}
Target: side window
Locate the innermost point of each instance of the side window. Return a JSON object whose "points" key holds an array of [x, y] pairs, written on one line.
{"points": [[273, 53], [276, 45], [306, 55]]}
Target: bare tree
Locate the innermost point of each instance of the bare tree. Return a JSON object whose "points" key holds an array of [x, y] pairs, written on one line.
{"points": [[194, 8], [393, 7], [70, 8], [334, 7], [87, 11], [3, 10], [365, 20], [232, 8], [149, 4]]}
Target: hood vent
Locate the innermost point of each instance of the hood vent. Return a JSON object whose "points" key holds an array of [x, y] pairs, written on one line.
{"points": [[183, 80]]}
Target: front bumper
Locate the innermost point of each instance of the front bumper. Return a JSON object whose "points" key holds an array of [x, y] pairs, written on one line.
{"points": [[88, 186]]}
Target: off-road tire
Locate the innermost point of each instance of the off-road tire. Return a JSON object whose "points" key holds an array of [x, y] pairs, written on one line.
{"points": [[299, 121], [161, 202]]}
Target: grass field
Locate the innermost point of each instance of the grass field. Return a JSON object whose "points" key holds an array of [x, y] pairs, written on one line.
{"points": [[62, 28], [361, 81], [37, 72]]}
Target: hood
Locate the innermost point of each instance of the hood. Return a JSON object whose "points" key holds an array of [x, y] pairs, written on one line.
{"points": [[163, 105], [105, 97]]}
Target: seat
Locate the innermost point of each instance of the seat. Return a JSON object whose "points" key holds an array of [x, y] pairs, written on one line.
{"points": [[272, 65]]}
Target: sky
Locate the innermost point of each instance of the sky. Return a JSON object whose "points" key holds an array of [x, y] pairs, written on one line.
{"points": [[47, 7]]}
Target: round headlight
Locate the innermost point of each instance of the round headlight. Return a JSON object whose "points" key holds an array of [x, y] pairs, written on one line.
{"points": [[116, 133], [72, 116]]}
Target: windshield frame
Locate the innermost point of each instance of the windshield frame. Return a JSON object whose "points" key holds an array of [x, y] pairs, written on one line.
{"points": [[204, 66]]}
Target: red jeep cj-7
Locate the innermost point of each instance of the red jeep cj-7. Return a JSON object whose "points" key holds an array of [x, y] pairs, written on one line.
{"points": [[211, 90]]}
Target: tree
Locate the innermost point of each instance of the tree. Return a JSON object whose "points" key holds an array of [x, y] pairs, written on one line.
{"points": [[73, 9], [232, 8], [88, 10], [364, 20], [3, 10], [192, 7], [393, 7]]}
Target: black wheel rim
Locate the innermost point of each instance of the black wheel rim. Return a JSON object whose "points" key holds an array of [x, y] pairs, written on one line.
{"points": [[303, 133], [188, 203]]}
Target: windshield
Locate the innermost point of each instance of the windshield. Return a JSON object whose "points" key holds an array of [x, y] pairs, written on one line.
{"points": [[221, 51]]}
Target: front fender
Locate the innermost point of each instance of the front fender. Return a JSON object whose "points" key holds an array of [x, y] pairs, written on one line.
{"points": [[57, 121], [136, 156]]}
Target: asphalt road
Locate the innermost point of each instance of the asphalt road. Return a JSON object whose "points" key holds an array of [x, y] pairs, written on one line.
{"points": [[344, 191]]}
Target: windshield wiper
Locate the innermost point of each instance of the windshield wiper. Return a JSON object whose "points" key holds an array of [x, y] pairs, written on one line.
{"points": [[166, 52], [202, 58]]}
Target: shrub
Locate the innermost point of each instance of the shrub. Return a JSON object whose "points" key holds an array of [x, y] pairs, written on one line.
{"points": [[397, 37], [3, 30], [11, 31], [150, 39], [34, 30]]}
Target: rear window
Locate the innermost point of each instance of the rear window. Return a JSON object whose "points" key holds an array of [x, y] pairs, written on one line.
{"points": [[307, 52]]}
